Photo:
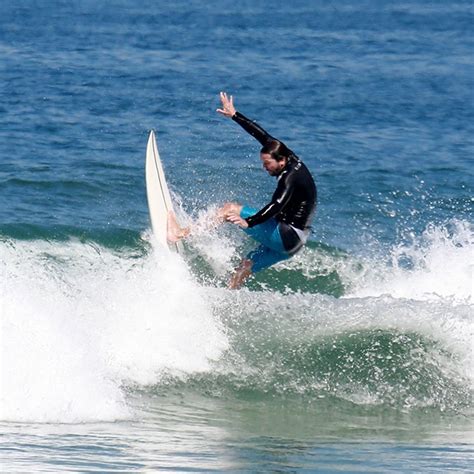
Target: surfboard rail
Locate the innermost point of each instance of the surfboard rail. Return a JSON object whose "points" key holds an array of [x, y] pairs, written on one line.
{"points": [[158, 195]]}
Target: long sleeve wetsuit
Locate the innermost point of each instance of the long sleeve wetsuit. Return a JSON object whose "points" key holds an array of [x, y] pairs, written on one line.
{"points": [[294, 201]]}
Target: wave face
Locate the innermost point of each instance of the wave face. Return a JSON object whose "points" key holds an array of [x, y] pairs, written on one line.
{"points": [[86, 324]]}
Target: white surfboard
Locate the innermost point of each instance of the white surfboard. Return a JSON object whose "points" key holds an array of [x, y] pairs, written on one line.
{"points": [[158, 195]]}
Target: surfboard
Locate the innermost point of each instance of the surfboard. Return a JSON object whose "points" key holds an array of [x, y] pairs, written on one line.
{"points": [[158, 195]]}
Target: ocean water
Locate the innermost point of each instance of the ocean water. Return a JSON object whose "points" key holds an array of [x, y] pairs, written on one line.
{"points": [[354, 356]]}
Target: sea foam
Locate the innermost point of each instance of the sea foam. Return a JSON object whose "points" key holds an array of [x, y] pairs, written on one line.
{"points": [[79, 323], [436, 264]]}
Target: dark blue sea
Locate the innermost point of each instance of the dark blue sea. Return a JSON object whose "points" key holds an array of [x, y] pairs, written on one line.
{"points": [[354, 356]]}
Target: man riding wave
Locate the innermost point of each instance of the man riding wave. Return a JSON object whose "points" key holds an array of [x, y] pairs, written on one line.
{"points": [[282, 226]]}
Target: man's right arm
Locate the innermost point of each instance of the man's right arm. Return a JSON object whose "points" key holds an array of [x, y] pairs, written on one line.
{"points": [[252, 128]]}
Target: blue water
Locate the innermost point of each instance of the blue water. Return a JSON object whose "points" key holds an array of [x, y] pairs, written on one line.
{"points": [[355, 355]]}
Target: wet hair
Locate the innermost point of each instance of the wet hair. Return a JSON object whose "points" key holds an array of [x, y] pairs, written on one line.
{"points": [[276, 149]]}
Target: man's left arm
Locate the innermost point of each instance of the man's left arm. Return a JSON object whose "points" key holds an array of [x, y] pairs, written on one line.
{"points": [[280, 198]]}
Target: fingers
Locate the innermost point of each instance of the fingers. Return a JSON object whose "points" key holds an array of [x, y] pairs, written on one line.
{"points": [[227, 108], [237, 220], [224, 100], [234, 218]]}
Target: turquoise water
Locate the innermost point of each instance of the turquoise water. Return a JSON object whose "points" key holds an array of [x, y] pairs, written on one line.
{"points": [[355, 355]]}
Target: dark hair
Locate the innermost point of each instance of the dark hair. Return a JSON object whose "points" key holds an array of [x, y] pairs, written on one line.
{"points": [[276, 149]]}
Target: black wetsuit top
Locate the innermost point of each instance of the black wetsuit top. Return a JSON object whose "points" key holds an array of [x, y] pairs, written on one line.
{"points": [[294, 201]]}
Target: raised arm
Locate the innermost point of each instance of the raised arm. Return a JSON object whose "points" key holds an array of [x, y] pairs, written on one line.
{"points": [[228, 110]]}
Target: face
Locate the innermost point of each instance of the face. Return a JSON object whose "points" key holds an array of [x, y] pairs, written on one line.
{"points": [[272, 166]]}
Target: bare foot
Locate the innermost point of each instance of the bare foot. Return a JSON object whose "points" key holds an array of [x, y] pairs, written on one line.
{"points": [[174, 231]]}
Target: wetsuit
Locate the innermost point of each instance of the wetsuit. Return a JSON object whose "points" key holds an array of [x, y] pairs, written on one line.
{"points": [[283, 224]]}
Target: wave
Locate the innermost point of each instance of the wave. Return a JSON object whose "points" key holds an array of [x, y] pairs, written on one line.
{"points": [[119, 239], [83, 325], [369, 351]]}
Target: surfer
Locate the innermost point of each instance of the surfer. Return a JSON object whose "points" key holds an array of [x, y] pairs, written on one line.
{"points": [[282, 226]]}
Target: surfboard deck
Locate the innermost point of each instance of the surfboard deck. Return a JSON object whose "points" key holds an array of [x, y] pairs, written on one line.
{"points": [[158, 195]]}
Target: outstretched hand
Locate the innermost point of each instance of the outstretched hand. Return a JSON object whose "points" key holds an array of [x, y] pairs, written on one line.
{"points": [[228, 108]]}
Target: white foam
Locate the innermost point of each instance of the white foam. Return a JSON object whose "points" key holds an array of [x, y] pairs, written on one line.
{"points": [[212, 243], [437, 264], [79, 322]]}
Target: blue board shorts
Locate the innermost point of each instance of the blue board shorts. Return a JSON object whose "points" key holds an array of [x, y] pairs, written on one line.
{"points": [[271, 250]]}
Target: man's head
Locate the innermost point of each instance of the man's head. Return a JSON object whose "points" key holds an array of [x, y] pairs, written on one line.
{"points": [[274, 155]]}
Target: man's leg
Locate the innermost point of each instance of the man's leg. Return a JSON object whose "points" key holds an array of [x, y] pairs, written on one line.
{"points": [[257, 260], [242, 272]]}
